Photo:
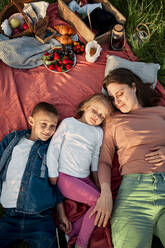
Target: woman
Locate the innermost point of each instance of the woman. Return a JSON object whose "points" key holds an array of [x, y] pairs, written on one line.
{"points": [[137, 131]]}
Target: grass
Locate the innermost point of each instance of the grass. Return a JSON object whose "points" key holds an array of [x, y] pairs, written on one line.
{"points": [[150, 12]]}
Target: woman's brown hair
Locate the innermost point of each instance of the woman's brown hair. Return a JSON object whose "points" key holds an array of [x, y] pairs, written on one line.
{"points": [[146, 95]]}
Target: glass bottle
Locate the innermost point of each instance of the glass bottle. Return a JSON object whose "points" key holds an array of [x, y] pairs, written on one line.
{"points": [[117, 37]]}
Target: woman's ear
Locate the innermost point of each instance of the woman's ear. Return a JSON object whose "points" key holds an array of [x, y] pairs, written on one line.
{"points": [[134, 86], [30, 121]]}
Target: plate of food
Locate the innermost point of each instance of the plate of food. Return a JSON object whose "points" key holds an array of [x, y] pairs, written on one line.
{"points": [[78, 47], [59, 59], [66, 34]]}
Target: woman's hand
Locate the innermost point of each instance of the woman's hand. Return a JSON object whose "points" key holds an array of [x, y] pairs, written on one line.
{"points": [[156, 156], [103, 207]]}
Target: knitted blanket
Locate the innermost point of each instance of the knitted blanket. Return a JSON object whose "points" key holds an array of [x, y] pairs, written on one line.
{"points": [[24, 52]]}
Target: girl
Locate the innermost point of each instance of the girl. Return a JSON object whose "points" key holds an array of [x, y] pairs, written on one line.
{"points": [[73, 152]]}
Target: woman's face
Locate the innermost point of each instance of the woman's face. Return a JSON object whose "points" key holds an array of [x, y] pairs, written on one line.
{"points": [[123, 97]]}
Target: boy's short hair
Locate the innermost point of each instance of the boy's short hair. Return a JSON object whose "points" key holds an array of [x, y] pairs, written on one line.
{"points": [[44, 106]]}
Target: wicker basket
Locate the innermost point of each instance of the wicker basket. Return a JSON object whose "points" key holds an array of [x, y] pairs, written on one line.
{"points": [[13, 7], [69, 16]]}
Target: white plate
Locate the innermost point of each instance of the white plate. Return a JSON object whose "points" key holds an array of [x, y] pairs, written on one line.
{"points": [[56, 49]]}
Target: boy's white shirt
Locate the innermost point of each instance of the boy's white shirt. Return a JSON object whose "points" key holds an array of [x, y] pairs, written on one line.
{"points": [[16, 168], [74, 149]]}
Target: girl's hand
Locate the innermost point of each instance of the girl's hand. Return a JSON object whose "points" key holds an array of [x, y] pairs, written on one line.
{"points": [[156, 156], [103, 208]]}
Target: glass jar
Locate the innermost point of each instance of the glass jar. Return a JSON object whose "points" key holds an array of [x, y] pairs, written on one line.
{"points": [[117, 37]]}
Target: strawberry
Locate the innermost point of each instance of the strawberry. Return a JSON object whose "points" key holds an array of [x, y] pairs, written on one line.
{"points": [[68, 66], [51, 67], [65, 61], [56, 55], [58, 68], [46, 54], [70, 61], [60, 62], [77, 46], [82, 49], [65, 57], [25, 26], [78, 50]]}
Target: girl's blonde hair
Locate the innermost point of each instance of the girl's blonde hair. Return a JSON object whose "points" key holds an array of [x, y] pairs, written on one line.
{"points": [[98, 97]]}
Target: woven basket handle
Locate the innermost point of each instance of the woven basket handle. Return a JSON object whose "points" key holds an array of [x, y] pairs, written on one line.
{"points": [[19, 4], [22, 1]]}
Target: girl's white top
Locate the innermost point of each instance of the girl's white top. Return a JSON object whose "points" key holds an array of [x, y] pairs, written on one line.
{"points": [[74, 149]]}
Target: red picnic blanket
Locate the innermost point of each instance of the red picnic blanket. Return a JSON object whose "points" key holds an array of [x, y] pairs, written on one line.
{"points": [[21, 89]]}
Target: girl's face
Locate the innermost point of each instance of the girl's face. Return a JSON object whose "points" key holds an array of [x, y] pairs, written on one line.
{"points": [[124, 98], [95, 114]]}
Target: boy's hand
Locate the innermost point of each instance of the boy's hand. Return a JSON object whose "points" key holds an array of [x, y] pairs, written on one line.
{"points": [[65, 225], [53, 180]]}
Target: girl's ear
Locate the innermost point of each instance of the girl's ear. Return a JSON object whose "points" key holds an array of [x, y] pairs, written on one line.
{"points": [[30, 121], [83, 109]]}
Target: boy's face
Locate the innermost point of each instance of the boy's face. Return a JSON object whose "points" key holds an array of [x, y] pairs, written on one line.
{"points": [[43, 125]]}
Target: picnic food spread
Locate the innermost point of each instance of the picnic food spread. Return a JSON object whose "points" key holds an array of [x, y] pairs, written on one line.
{"points": [[59, 59], [32, 19]]}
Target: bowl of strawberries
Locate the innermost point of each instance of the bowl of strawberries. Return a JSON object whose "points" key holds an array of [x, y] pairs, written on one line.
{"points": [[78, 47], [59, 59]]}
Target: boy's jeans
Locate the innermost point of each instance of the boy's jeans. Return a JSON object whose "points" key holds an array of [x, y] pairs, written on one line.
{"points": [[37, 229]]}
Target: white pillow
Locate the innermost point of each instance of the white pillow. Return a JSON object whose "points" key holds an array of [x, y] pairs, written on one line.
{"points": [[146, 71]]}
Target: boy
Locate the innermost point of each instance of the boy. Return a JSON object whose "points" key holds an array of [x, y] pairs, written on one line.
{"points": [[25, 189]]}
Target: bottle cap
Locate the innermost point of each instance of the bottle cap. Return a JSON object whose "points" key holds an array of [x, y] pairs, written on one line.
{"points": [[119, 27]]}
